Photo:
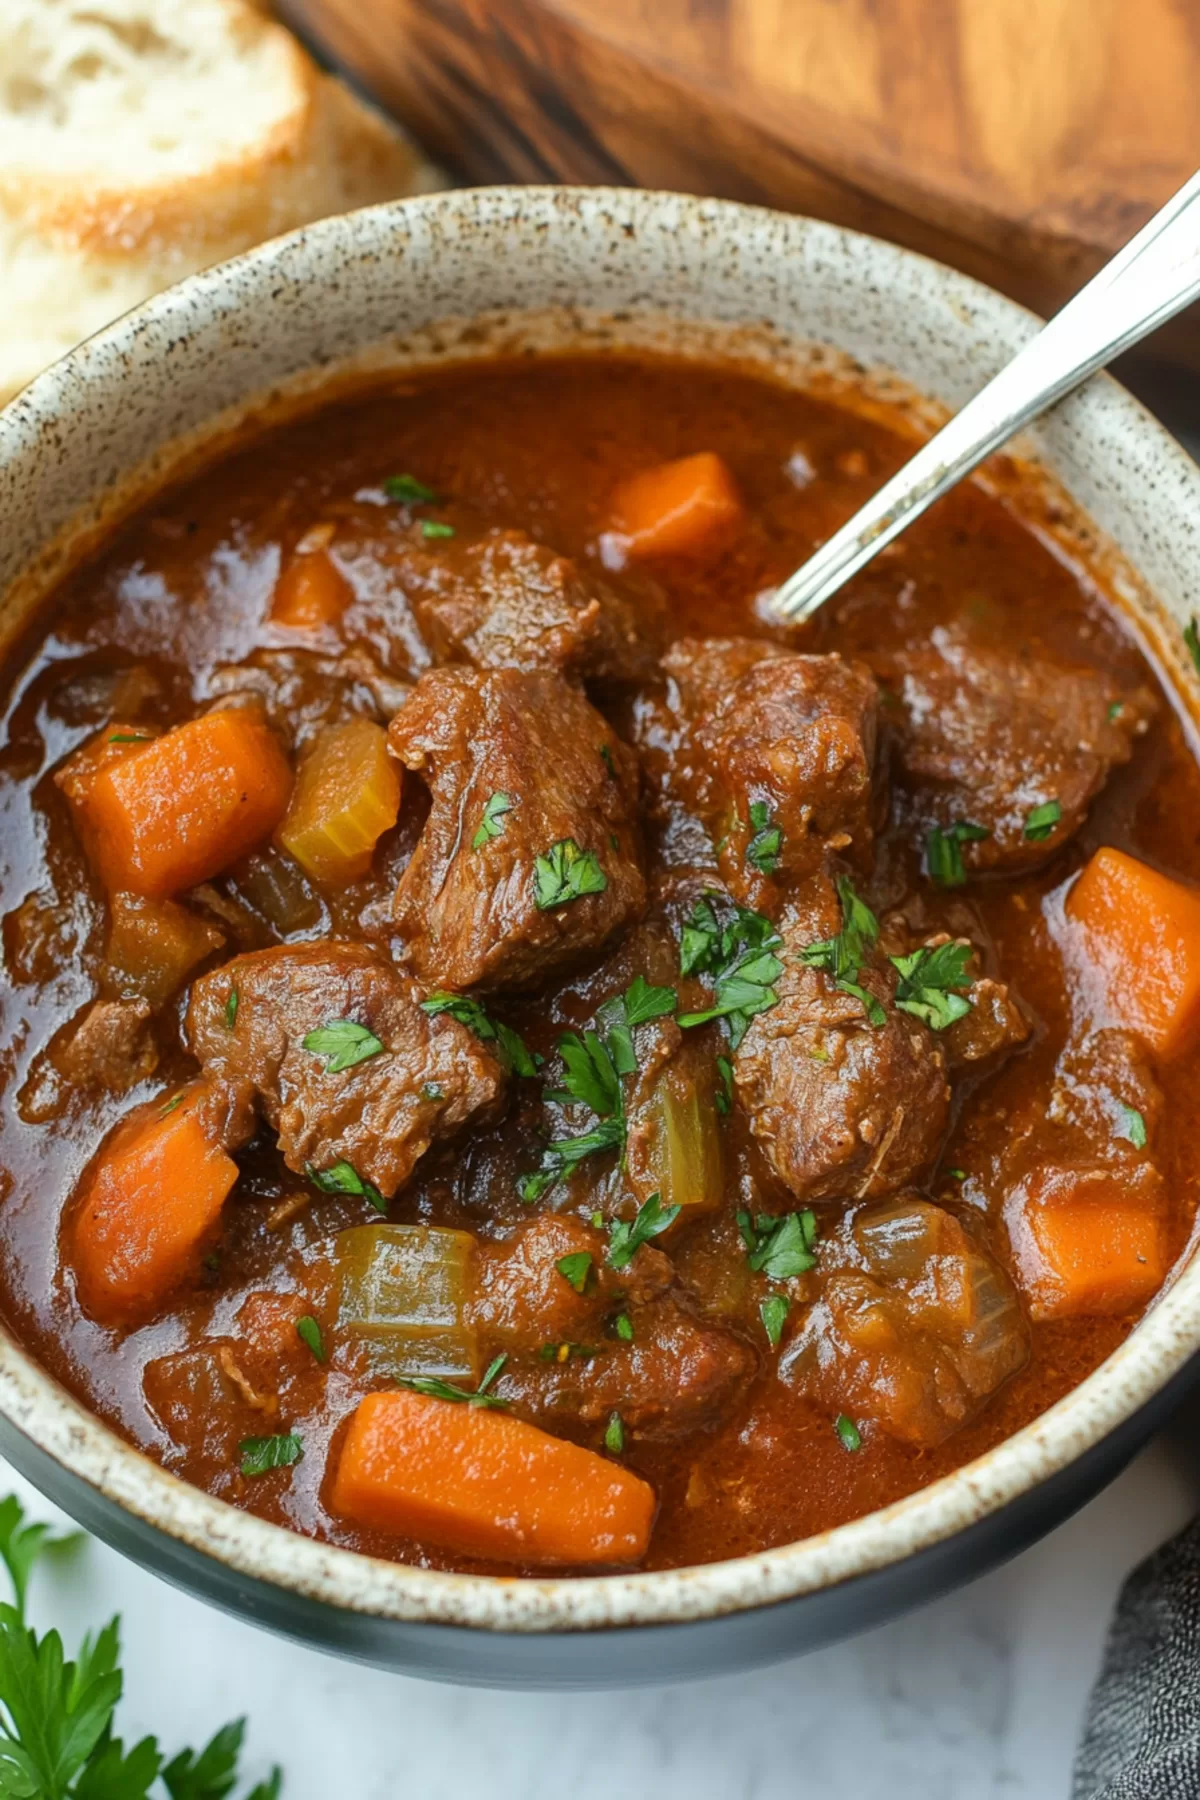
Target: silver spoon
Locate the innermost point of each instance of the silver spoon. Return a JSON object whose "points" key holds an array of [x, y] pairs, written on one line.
{"points": [[1146, 283]]}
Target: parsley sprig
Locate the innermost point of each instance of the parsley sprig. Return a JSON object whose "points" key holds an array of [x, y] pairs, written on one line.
{"points": [[57, 1737], [842, 957], [344, 1178], [566, 873], [510, 1045], [492, 823], [779, 1246], [928, 982], [766, 846], [1041, 821], [943, 851], [343, 1043], [739, 956], [626, 1236], [262, 1454], [436, 1389]]}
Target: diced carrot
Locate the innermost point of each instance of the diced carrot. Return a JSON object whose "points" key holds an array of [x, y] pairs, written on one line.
{"points": [[1084, 1244], [151, 1202], [153, 944], [1140, 943], [678, 508], [485, 1484], [158, 816], [312, 591], [347, 795]]}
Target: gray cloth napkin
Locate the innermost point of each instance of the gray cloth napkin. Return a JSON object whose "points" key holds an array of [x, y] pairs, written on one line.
{"points": [[1141, 1738]]}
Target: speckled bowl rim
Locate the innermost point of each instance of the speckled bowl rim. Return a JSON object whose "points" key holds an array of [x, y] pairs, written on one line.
{"points": [[1124, 435]]}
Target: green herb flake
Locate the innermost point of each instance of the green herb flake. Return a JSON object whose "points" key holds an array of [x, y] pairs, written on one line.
{"points": [[434, 1388], [773, 1312], [1117, 707], [433, 1091], [262, 1454], [1133, 1127], [766, 846], [723, 1098], [343, 1043], [566, 873], [169, 1106], [848, 1431], [1191, 637], [129, 737], [626, 1237], [1042, 820], [231, 1009], [510, 1046], [492, 823], [614, 1434], [576, 1269], [779, 1246], [433, 528], [309, 1332], [623, 1327], [565, 1154], [928, 982], [610, 765], [943, 851], [344, 1178], [739, 956], [406, 490], [957, 1174], [842, 957]]}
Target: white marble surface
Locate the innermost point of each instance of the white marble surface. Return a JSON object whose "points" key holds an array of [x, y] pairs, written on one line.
{"points": [[976, 1697]]}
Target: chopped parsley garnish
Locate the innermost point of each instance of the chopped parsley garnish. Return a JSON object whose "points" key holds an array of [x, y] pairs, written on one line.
{"points": [[1042, 820], [309, 1332], [957, 1174], [566, 873], [436, 1389], [842, 957], [848, 1431], [614, 1434], [636, 1006], [740, 959], [565, 1154], [261, 1454], [344, 1178], [492, 823], [766, 846], [610, 765], [928, 980], [779, 1246], [231, 1009], [433, 1091], [626, 1237], [343, 1043], [723, 1098], [591, 1075], [408, 491], [1133, 1127], [168, 1106], [1191, 637], [128, 737], [1117, 707], [510, 1046], [433, 528], [943, 851], [576, 1269], [773, 1312], [623, 1327]]}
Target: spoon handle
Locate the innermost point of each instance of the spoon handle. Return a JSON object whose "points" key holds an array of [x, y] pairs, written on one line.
{"points": [[1153, 277]]}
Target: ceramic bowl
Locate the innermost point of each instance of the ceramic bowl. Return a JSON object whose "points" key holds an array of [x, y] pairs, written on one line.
{"points": [[461, 275]]}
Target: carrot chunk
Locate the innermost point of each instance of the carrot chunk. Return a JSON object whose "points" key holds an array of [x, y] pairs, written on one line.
{"points": [[1083, 1244], [153, 944], [149, 1206], [1140, 938], [160, 814], [678, 508], [485, 1484], [311, 592], [347, 795]]}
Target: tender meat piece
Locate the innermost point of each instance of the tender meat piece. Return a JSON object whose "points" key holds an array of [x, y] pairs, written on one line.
{"points": [[763, 726], [916, 1325], [1098, 1082], [498, 600], [111, 1048], [839, 1105], [678, 1374], [498, 914], [302, 692], [986, 735], [432, 1076], [996, 1024]]}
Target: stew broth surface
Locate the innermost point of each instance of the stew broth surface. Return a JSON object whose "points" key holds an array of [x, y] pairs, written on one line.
{"points": [[184, 589]]}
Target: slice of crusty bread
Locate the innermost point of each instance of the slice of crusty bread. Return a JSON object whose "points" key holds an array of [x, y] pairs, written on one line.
{"points": [[143, 139]]}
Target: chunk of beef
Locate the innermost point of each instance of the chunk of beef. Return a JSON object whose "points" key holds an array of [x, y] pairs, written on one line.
{"points": [[764, 728], [840, 1105], [916, 1325], [986, 735], [505, 908], [498, 600], [379, 1115], [678, 1374], [996, 1023], [302, 692], [107, 1051]]}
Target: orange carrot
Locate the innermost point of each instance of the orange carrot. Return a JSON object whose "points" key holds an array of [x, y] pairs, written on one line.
{"points": [[312, 591], [678, 508], [347, 795], [159, 815], [485, 1484], [1139, 935], [153, 944], [1083, 1244], [151, 1202]]}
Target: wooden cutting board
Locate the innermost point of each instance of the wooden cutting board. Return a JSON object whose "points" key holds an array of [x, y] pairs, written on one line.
{"points": [[1021, 140]]}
